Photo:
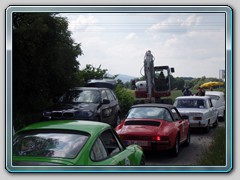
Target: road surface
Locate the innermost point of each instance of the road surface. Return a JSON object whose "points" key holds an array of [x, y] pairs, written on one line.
{"points": [[188, 156]]}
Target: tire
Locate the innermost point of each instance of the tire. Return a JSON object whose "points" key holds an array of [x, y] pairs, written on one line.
{"points": [[116, 121], [175, 149], [188, 140], [142, 162], [215, 124], [207, 128]]}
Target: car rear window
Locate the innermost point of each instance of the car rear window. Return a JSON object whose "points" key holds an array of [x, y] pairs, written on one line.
{"points": [[190, 103], [49, 144], [149, 113]]}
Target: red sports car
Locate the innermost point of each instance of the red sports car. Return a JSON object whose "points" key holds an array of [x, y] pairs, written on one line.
{"points": [[155, 127]]}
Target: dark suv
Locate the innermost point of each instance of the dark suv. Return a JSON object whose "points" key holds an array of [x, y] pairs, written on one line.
{"points": [[86, 103]]}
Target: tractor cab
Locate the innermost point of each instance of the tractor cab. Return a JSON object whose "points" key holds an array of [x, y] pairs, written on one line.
{"points": [[161, 83]]}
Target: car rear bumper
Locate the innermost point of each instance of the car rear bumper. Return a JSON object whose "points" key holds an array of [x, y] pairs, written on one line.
{"points": [[151, 145], [195, 124]]}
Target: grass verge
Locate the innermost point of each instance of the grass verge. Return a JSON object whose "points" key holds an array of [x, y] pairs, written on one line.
{"points": [[216, 153]]}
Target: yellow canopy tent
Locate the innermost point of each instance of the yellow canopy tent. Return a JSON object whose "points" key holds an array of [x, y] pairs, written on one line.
{"points": [[211, 84]]}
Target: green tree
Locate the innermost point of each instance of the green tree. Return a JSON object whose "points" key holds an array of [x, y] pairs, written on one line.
{"points": [[177, 83], [126, 98], [91, 72], [44, 60]]}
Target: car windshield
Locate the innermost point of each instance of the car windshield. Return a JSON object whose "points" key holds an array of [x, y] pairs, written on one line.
{"points": [[190, 103], [48, 144], [81, 96], [149, 113]]}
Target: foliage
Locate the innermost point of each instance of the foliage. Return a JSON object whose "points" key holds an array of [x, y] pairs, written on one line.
{"points": [[177, 83], [175, 94], [193, 83], [90, 72], [126, 98], [44, 60], [216, 155]]}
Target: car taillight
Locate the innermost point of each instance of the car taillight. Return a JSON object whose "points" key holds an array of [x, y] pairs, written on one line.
{"points": [[197, 118], [156, 138], [160, 138]]}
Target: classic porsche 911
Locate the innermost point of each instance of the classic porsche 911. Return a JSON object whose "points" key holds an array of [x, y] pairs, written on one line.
{"points": [[155, 127], [199, 110], [70, 143]]}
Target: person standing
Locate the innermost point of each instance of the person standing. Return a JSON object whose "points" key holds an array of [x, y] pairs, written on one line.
{"points": [[187, 92], [201, 92]]}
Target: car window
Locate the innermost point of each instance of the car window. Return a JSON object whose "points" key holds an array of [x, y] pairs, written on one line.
{"points": [[104, 95], [167, 116], [110, 96], [190, 103], [150, 113], [98, 151], [111, 143], [201, 104], [176, 115], [48, 144], [114, 95], [210, 103], [80, 96]]}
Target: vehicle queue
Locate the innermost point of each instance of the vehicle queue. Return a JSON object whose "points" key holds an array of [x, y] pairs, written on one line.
{"points": [[64, 139]]}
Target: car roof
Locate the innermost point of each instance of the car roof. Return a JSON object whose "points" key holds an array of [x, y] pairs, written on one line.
{"points": [[88, 88], [104, 83], [214, 93], [169, 106], [90, 127], [193, 97]]}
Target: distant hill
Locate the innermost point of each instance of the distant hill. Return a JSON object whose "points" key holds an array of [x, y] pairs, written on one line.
{"points": [[125, 78]]}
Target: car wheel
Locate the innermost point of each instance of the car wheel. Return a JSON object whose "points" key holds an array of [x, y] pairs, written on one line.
{"points": [[207, 128], [224, 116], [142, 162], [175, 149], [215, 124], [117, 121], [188, 140]]}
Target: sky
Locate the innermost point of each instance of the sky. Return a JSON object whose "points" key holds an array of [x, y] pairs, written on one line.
{"points": [[192, 43]]}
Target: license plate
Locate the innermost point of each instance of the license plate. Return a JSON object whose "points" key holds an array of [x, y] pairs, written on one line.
{"points": [[140, 143]]}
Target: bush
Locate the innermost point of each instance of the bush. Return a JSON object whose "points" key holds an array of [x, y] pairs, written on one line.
{"points": [[125, 97]]}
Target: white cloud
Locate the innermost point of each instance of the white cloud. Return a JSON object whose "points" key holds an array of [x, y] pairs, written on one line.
{"points": [[191, 20], [131, 36], [182, 41], [84, 23]]}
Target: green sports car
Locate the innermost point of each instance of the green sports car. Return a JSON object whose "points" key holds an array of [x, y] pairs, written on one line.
{"points": [[72, 143]]}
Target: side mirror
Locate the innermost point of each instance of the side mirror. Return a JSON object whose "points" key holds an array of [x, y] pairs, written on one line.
{"points": [[184, 117], [105, 101], [172, 70]]}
